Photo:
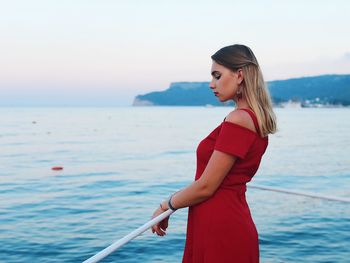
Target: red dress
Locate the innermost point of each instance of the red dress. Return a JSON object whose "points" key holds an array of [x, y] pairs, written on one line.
{"points": [[221, 229]]}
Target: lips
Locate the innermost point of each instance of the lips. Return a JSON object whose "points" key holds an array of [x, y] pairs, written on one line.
{"points": [[216, 93]]}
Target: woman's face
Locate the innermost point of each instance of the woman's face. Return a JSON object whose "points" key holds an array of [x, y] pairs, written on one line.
{"points": [[225, 82]]}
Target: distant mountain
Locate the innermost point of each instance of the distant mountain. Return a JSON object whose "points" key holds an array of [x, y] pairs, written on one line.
{"points": [[324, 89], [180, 94]]}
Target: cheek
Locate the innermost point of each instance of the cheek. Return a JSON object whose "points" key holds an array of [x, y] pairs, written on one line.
{"points": [[227, 84]]}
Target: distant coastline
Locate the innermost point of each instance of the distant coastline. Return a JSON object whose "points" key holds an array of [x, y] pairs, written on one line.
{"points": [[307, 92]]}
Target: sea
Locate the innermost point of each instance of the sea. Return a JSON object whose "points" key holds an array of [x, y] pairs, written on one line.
{"points": [[120, 162]]}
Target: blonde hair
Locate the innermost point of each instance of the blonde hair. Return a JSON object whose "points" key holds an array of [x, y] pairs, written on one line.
{"points": [[254, 89]]}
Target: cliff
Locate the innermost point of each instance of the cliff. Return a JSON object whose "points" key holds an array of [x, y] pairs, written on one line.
{"points": [[324, 89]]}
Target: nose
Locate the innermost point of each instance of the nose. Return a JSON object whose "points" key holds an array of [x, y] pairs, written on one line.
{"points": [[211, 84]]}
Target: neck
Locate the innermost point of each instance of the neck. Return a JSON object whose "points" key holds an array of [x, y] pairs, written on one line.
{"points": [[242, 103]]}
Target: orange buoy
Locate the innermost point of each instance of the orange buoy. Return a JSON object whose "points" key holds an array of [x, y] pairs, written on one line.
{"points": [[57, 168]]}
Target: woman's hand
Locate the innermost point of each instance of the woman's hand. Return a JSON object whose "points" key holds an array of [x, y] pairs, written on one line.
{"points": [[161, 227]]}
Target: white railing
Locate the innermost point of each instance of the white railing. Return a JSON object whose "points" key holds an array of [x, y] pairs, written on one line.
{"points": [[108, 250], [324, 197]]}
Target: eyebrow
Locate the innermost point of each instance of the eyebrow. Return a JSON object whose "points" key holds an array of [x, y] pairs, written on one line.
{"points": [[215, 71]]}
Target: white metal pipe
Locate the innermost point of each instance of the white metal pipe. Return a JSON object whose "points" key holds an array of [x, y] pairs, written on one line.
{"points": [[108, 250], [330, 198]]}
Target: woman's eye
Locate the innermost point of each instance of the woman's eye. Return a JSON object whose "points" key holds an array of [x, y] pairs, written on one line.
{"points": [[217, 76]]}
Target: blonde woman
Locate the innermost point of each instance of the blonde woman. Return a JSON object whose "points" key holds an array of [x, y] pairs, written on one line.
{"points": [[220, 228]]}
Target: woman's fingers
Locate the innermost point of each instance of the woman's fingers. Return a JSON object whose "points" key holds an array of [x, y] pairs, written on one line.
{"points": [[158, 230], [164, 223], [161, 227]]}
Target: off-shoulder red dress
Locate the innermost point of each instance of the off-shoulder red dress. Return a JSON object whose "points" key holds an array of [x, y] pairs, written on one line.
{"points": [[221, 229]]}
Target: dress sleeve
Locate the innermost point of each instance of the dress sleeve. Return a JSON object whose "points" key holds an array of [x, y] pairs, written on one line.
{"points": [[234, 139]]}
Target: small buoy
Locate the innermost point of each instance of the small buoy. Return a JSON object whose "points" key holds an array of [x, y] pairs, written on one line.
{"points": [[57, 168]]}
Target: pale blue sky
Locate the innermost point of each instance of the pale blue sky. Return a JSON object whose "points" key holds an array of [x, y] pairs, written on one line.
{"points": [[107, 52]]}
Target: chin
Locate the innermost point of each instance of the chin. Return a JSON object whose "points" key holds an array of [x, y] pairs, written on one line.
{"points": [[224, 99]]}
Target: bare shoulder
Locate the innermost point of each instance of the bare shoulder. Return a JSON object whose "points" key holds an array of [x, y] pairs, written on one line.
{"points": [[242, 118]]}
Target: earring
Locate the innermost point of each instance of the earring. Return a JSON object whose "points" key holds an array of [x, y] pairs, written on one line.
{"points": [[239, 94]]}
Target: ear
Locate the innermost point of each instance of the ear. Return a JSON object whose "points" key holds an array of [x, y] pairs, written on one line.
{"points": [[240, 76]]}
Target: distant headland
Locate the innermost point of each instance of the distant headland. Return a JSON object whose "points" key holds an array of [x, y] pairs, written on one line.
{"points": [[316, 91]]}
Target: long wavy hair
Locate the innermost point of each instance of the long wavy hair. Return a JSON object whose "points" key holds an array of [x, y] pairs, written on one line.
{"points": [[253, 87]]}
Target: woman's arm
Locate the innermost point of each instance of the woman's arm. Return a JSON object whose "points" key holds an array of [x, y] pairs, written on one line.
{"points": [[217, 168]]}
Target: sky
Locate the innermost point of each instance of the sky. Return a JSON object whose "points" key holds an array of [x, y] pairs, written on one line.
{"points": [[104, 53]]}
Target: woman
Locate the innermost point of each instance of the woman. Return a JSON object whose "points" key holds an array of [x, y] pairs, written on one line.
{"points": [[220, 228]]}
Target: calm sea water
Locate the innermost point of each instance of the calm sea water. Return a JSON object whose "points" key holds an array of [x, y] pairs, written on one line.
{"points": [[119, 163]]}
